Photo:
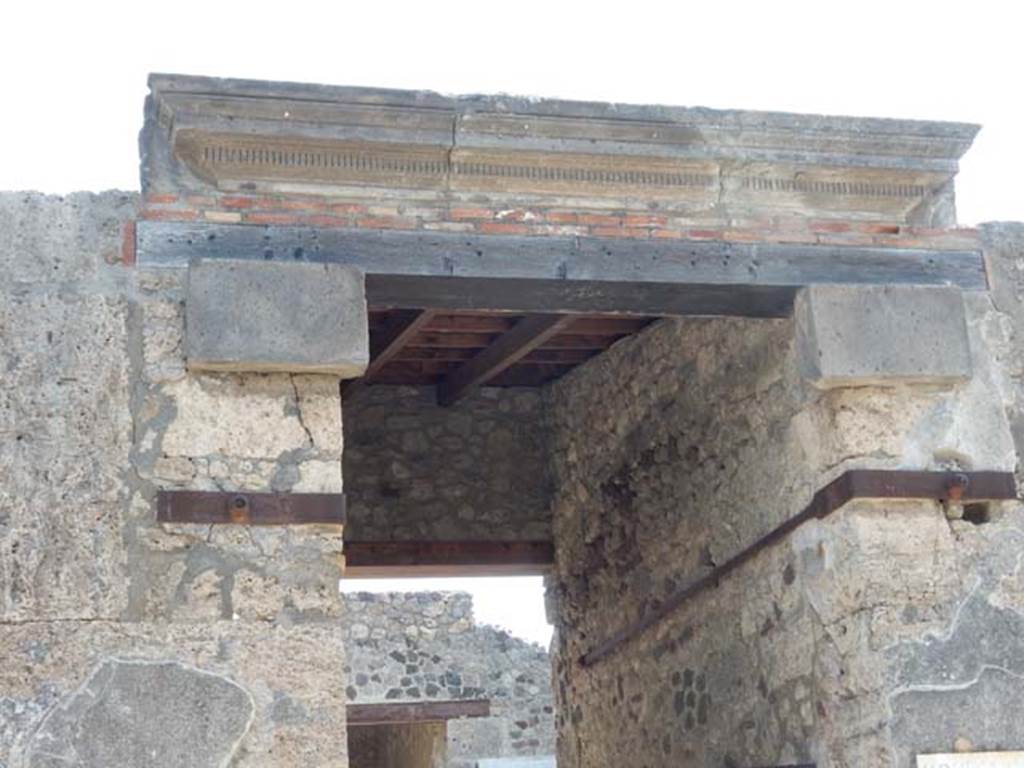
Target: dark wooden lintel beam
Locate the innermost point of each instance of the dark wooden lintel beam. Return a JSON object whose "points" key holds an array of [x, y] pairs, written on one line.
{"points": [[584, 275], [410, 559], [416, 712], [853, 484], [525, 336]]}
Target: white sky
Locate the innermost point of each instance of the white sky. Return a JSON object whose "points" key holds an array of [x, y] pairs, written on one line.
{"points": [[73, 73], [515, 603], [73, 77]]}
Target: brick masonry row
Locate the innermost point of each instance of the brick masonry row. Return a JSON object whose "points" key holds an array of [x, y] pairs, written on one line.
{"points": [[533, 221]]}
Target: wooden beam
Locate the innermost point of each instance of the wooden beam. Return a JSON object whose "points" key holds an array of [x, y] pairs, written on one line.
{"points": [[455, 340], [853, 484], [583, 275], [414, 372], [411, 559], [451, 355], [386, 343], [416, 712], [609, 326], [393, 337], [443, 323], [525, 336]]}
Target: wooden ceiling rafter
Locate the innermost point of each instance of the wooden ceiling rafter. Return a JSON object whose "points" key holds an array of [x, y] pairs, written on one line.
{"points": [[389, 339], [525, 336], [448, 348]]}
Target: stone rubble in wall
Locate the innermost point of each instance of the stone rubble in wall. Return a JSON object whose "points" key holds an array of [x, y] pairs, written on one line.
{"points": [[415, 470], [426, 645], [710, 441]]}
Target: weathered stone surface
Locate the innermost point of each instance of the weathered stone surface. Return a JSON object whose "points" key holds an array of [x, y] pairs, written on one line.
{"points": [[964, 684], [423, 646], [106, 693], [227, 431], [663, 472], [53, 239], [1004, 247], [65, 426], [144, 714], [268, 316], [97, 411], [415, 470], [881, 336], [416, 145]]}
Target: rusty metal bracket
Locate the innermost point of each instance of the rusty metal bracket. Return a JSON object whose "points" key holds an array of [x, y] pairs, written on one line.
{"points": [[854, 484], [228, 508]]}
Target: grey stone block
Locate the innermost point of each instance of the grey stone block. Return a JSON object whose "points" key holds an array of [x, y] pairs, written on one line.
{"points": [[882, 335], [264, 317], [145, 714]]}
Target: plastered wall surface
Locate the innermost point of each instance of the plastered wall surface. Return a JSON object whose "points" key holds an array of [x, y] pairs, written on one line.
{"points": [[118, 631], [425, 646], [884, 630]]}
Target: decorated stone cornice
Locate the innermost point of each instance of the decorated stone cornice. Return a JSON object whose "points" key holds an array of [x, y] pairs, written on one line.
{"points": [[242, 135]]}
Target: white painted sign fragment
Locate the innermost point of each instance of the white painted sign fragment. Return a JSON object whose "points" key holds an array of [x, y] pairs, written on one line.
{"points": [[973, 760]]}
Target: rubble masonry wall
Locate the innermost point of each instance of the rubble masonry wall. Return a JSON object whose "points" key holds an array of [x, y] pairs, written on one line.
{"points": [[419, 471], [882, 631], [421, 646]]}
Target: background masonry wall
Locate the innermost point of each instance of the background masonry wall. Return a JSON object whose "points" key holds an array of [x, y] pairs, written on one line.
{"points": [[99, 604], [423, 646], [885, 630], [416, 470]]}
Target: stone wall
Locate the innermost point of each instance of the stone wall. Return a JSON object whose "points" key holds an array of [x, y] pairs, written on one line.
{"points": [[855, 642], [117, 630], [887, 629], [416, 470], [423, 646]]}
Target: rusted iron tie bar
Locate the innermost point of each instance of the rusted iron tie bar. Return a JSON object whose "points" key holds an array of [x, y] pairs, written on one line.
{"points": [[250, 508], [853, 484]]}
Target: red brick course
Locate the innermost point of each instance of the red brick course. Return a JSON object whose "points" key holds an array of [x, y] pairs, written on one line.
{"points": [[128, 244], [539, 222]]}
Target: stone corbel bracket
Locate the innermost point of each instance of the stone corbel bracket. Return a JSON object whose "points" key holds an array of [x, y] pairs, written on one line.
{"points": [[238, 135]]}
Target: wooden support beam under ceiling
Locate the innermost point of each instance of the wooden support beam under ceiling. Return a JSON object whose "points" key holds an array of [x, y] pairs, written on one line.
{"points": [[525, 336], [388, 341], [413, 559], [416, 712], [393, 337]]}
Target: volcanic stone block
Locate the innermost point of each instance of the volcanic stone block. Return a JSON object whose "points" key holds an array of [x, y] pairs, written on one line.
{"points": [[263, 317], [851, 336], [145, 713]]}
